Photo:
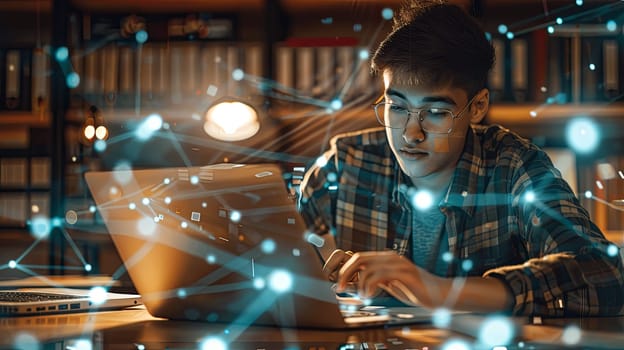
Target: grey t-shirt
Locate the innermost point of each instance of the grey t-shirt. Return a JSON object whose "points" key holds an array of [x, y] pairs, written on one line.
{"points": [[429, 240]]}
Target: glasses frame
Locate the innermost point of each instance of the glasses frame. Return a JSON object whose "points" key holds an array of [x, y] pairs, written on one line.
{"points": [[382, 103]]}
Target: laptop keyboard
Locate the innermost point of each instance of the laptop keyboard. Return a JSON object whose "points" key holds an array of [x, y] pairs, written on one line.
{"points": [[17, 297]]}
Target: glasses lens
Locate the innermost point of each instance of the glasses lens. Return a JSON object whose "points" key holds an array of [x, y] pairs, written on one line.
{"points": [[436, 120]]}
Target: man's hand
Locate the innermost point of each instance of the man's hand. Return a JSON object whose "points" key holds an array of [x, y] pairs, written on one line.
{"points": [[335, 261]]}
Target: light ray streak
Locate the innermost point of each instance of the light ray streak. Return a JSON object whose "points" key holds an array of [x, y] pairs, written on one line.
{"points": [[29, 249], [74, 247]]}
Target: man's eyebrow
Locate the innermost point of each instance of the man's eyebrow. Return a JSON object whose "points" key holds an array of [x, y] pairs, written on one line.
{"points": [[426, 99]]}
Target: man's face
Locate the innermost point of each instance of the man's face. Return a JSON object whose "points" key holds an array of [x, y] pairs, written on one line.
{"points": [[421, 153]]}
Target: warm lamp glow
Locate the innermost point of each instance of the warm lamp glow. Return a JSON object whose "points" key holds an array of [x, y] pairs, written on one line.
{"points": [[101, 132], [231, 121], [89, 132]]}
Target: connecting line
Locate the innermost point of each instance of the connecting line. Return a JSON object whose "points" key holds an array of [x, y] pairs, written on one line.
{"points": [[74, 248], [610, 205], [176, 144], [28, 250]]}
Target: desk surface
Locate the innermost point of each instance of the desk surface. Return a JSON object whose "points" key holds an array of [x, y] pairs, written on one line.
{"points": [[135, 328]]}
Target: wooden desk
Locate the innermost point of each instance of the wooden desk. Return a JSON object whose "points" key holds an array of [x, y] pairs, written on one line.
{"points": [[134, 328]]}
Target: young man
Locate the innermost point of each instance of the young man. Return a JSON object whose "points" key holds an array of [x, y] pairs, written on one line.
{"points": [[443, 212]]}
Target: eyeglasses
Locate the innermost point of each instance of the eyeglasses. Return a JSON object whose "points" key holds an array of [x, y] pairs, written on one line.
{"points": [[431, 120]]}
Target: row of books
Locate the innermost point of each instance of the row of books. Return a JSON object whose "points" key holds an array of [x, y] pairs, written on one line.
{"points": [[24, 79], [18, 207], [19, 172], [557, 69]]}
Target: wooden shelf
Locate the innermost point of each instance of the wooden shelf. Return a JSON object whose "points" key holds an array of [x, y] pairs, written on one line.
{"points": [[24, 118]]}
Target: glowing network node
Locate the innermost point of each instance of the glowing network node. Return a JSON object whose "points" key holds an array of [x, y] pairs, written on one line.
{"points": [[132, 206], [61, 54], [72, 80], [441, 317], [24, 341], [146, 226], [582, 135], [204, 204], [529, 196], [194, 179], [579, 2], [268, 246], [502, 28], [212, 90], [336, 104], [543, 89], [496, 330], [97, 295], [141, 36], [592, 66], [447, 257], [213, 344], [387, 13], [613, 250], [296, 252], [167, 200], [238, 74], [40, 227], [280, 281], [456, 344], [559, 20], [332, 177], [488, 36], [123, 173], [422, 200], [140, 346], [181, 293], [357, 27], [363, 54], [99, 145], [151, 124], [588, 194], [571, 335], [82, 344], [235, 216], [467, 265], [611, 26], [145, 201], [259, 283], [184, 224], [88, 267], [510, 35], [211, 259], [550, 29], [12, 264], [533, 114]]}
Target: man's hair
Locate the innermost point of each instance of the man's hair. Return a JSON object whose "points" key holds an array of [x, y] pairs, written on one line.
{"points": [[436, 44]]}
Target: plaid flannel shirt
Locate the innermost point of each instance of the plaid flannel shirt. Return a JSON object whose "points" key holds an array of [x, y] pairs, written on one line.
{"points": [[509, 214]]}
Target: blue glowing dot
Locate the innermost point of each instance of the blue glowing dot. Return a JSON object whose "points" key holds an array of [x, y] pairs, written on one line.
{"points": [[387, 13], [502, 28], [167, 200], [336, 104], [357, 27], [332, 177], [56, 222], [441, 317], [92, 208], [321, 161], [592, 66], [132, 206], [62, 53], [280, 281], [181, 293], [550, 29], [211, 259], [72, 80], [88, 267], [456, 344], [166, 181], [529, 197], [510, 35], [259, 283], [533, 114], [579, 2], [363, 54], [141, 36], [235, 216], [213, 344], [99, 145], [467, 265], [447, 257], [184, 224], [140, 346], [145, 201], [83, 344], [146, 226], [97, 295], [268, 246], [613, 250], [611, 26], [204, 205], [496, 330], [238, 74], [26, 341], [327, 20], [588, 194], [422, 200], [571, 335], [488, 36], [151, 124], [194, 179], [40, 227], [12, 264], [559, 20], [582, 135]]}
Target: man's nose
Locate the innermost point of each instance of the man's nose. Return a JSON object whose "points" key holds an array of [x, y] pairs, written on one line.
{"points": [[413, 132]]}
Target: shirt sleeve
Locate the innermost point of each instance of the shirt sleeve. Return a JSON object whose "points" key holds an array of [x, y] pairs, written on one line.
{"points": [[573, 269], [317, 199]]}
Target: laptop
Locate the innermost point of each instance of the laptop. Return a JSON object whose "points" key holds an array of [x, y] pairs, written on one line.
{"points": [[224, 243]]}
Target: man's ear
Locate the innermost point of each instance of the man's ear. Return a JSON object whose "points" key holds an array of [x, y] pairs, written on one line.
{"points": [[480, 106]]}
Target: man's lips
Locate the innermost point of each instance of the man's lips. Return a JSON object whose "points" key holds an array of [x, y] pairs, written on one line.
{"points": [[414, 152]]}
